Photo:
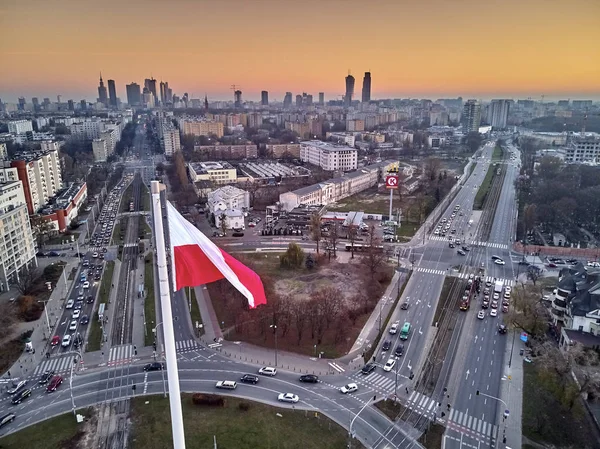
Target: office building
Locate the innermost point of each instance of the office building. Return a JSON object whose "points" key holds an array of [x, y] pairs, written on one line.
{"points": [[349, 90], [163, 93], [321, 98], [217, 172], [150, 85], [102, 94], [20, 126], [264, 98], [498, 115], [237, 99], [112, 94], [3, 152], [36, 103], [148, 99], [471, 117], [287, 100], [329, 157], [366, 89], [18, 247], [70, 105], [134, 95], [226, 152], [200, 127], [583, 149]]}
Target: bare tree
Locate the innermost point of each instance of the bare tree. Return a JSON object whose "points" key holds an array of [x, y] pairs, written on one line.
{"points": [[332, 238], [315, 228], [299, 318], [374, 256], [26, 280], [331, 302], [352, 234], [223, 223], [7, 319], [527, 311], [41, 228]]}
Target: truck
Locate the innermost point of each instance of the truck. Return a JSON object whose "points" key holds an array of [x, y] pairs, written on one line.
{"points": [[498, 287]]}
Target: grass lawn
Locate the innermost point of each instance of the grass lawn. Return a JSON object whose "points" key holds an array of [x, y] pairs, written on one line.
{"points": [[390, 408], [408, 230], [195, 314], [126, 198], [145, 195], [149, 301], [95, 336], [58, 432], [10, 351], [432, 439], [444, 297], [369, 201], [116, 235], [498, 154], [484, 188], [547, 420], [258, 427]]}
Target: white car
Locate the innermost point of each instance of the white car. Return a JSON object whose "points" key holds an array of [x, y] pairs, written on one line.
{"points": [[70, 304], [76, 314], [494, 312], [496, 296], [499, 262], [507, 289], [73, 325], [389, 365], [86, 284], [394, 328], [267, 371], [66, 341], [288, 397], [481, 315], [350, 388], [95, 255]]}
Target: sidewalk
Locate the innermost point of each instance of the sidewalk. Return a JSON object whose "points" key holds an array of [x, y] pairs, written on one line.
{"points": [[40, 337], [511, 392]]}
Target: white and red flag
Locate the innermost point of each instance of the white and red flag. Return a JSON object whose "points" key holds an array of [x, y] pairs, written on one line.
{"points": [[197, 260]]}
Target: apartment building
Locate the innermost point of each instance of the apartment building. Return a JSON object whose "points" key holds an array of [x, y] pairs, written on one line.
{"points": [[197, 127], [17, 247], [88, 129], [19, 126], [217, 172], [170, 140], [40, 173], [329, 157], [583, 149], [65, 208], [225, 152], [277, 151], [100, 150]]}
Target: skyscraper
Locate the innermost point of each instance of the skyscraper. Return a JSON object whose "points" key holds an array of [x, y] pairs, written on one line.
{"points": [[36, 103], [150, 84], [366, 90], [471, 117], [321, 98], [264, 98], [102, 95], [134, 95], [112, 93], [237, 98], [298, 101], [71, 105], [349, 90], [163, 93], [287, 100], [499, 113]]}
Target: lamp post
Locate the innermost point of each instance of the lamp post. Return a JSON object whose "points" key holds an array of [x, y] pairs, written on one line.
{"points": [[71, 380], [162, 371], [354, 419], [274, 327]]}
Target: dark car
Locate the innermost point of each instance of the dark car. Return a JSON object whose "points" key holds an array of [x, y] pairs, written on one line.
{"points": [[502, 329], [386, 345], [8, 418], [41, 254], [18, 398], [523, 262], [571, 261], [53, 254], [466, 248], [309, 378], [54, 384], [399, 351], [155, 366], [46, 377], [84, 320], [405, 306], [249, 379], [238, 234], [368, 368], [89, 299]]}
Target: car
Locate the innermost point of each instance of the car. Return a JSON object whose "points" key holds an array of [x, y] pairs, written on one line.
{"points": [[89, 299], [18, 398], [399, 351], [523, 262], [494, 304], [154, 366], [350, 388], [55, 340], [6, 419], [394, 328], [551, 265], [46, 377], [466, 248], [451, 245], [496, 258], [268, 371], [84, 319], [54, 384], [17, 387], [389, 365], [461, 252], [507, 289], [70, 304], [494, 313], [368, 368], [309, 378], [86, 284], [226, 384], [386, 345], [481, 315], [405, 306], [505, 308], [66, 341], [488, 284], [506, 295], [499, 262], [95, 255], [238, 234], [502, 329], [249, 379], [288, 397], [73, 325], [76, 314], [79, 304], [496, 296]]}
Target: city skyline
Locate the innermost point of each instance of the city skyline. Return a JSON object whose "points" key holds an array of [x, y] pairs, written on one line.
{"points": [[461, 51]]}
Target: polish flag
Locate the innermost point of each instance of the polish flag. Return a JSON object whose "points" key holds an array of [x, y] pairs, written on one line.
{"points": [[197, 260]]}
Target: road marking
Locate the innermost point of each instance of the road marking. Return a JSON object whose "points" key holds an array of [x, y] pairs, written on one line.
{"points": [[336, 367]]}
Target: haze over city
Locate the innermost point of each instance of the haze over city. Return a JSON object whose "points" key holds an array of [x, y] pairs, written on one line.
{"points": [[412, 48]]}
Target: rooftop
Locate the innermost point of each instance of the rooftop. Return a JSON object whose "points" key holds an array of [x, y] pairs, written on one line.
{"points": [[204, 167], [326, 146], [29, 156]]}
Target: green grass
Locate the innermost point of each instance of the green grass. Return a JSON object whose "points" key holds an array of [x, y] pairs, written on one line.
{"points": [[116, 235], [390, 408], [58, 432], [195, 314], [498, 154], [444, 297], [472, 168], [95, 336], [484, 188], [145, 194], [258, 427], [368, 201], [149, 301], [546, 418], [408, 229], [433, 437], [144, 230], [127, 195]]}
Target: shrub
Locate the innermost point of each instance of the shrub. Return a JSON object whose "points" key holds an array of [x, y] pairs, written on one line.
{"points": [[208, 399], [29, 308], [244, 406]]}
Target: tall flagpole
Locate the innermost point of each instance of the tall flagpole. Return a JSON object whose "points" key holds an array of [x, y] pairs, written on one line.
{"points": [[167, 317]]}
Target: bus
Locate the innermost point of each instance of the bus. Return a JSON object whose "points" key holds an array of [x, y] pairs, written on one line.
{"points": [[405, 331]]}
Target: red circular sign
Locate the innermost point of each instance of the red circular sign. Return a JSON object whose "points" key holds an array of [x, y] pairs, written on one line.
{"points": [[391, 182]]}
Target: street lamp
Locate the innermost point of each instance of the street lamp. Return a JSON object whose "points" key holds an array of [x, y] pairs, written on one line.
{"points": [[354, 419], [75, 360], [162, 371], [274, 327]]}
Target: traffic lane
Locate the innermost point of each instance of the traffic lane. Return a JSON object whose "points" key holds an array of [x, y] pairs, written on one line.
{"points": [[63, 327]]}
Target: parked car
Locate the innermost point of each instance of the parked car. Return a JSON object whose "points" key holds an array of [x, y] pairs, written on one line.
{"points": [[350, 388], [309, 378], [268, 371]]}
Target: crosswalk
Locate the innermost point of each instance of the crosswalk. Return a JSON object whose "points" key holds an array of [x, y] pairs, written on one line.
{"points": [[457, 420], [473, 243], [506, 282], [187, 346], [120, 355], [57, 364], [377, 382]]}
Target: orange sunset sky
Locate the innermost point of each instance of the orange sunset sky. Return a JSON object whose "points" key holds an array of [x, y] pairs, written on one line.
{"points": [[413, 48]]}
